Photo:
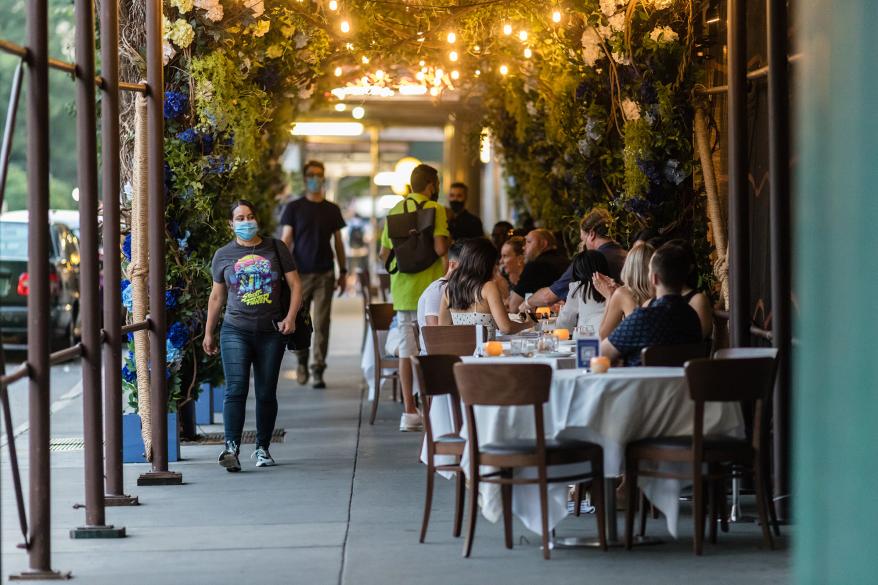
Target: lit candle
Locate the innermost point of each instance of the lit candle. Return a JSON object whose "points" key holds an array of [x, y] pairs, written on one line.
{"points": [[493, 348], [562, 334], [600, 364], [543, 312]]}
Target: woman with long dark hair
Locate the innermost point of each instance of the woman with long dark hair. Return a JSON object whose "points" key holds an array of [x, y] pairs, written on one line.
{"points": [[584, 306], [472, 297], [255, 325]]}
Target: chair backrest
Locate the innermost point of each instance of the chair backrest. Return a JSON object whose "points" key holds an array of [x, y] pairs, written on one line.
{"points": [[503, 384], [435, 374], [746, 352], [450, 339], [674, 355], [384, 282], [365, 286], [380, 316], [730, 380]]}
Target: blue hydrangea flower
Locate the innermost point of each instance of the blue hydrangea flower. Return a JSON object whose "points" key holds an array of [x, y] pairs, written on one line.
{"points": [[188, 135], [129, 375], [217, 165], [174, 354], [175, 104], [128, 296], [650, 169], [206, 143], [183, 243], [178, 334], [170, 300], [675, 172], [130, 337], [126, 247]]}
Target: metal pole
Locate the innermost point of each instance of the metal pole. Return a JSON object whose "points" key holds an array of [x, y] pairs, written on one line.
{"points": [[155, 186], [375, 158], [39, 488], [781, 257], [9, 129], [109, 22], [739, 191]]}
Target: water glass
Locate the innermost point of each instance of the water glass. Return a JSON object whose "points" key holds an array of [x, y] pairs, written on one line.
{"points": [[547, 342], [583, 332], [516, 346]]}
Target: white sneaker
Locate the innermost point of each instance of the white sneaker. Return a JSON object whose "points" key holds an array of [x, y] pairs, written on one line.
{"points": [[410, 423], [263, 459]]}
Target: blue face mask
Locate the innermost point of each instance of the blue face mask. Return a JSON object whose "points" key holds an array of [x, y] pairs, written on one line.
{"points": [[314, 184], [246, 230]]}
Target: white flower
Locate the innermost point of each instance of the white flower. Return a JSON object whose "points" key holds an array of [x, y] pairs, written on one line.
{"points": [[181, 33], [531, 109], [663, 35], [213, 9], [257, 7], [591, 47], [630, 109], [617, 22], [306, 92], [183, 6], [168, 52], [621, 58], [662, 4], [608, 7], [301, 40]]}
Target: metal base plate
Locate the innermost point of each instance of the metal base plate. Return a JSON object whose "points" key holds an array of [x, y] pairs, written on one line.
{"points": [[41, 576], [121, 500], [575, 542], [160, 478], [87, 532]]}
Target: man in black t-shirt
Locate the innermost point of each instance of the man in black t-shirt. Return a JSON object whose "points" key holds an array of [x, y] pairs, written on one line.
{"points": [[667, 320], [311, 226], [544, 263], [461, 223]]}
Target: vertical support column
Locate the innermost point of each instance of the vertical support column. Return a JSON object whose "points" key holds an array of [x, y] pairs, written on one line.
{"points": [[114, 494], [739, 190], [9, 128], [39, 488], [781, 260], [156, 188], [375, 158], [87, 172]]}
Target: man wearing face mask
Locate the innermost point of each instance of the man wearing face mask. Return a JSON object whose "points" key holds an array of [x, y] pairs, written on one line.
{"points": [[461, 223], [311, 227]]}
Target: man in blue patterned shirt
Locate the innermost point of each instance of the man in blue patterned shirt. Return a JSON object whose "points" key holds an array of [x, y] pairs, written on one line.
{"points": [[667, 320]]}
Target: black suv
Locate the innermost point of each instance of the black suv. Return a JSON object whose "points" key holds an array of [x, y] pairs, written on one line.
{"points": [[15, 282]]}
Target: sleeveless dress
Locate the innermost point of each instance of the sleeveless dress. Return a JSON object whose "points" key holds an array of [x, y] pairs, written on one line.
{"points": [[475, 318], [578, 311]]}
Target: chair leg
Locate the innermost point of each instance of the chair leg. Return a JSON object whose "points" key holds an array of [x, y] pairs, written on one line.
{"points": [[472, 511], [506, 491], [459, 497], [762, 505], [698, 508], [544, 511], [713, 504], [631, 465], [644, 510], [769, 493], [599, 502], [395, 382], [577, 500], [375, 398], [428, 501]]}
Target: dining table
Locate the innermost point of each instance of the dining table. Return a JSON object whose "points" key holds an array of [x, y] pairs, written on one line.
{"points": [[610, 409]]}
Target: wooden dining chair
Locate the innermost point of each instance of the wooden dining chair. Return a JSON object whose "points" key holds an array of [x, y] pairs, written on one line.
{"points": [[380, 317], [365, 283], [716, 380], [435, 377], [521, 385], [674, 356], [450, 339], [384, 286], [746, 353]]}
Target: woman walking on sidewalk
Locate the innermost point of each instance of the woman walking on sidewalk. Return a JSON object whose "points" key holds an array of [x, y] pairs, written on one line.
{"points": [[255, 326]]}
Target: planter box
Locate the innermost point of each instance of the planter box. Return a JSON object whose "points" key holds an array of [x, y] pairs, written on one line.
{"points": [[219, 393], [204, 408], [132, 443]]}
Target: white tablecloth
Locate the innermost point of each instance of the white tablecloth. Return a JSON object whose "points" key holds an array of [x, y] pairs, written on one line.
{"points": [[610, 409]]}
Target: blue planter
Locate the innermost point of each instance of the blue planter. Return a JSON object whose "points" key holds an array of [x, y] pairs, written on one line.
{"points": [[219, 393], [204, 405], [132, 443]]}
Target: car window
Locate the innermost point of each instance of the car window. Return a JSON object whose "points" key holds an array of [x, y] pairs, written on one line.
{"points": [[13, 240]]}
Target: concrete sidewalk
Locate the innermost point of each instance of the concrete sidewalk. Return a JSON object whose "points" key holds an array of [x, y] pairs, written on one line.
{"points": [[343, 506]]}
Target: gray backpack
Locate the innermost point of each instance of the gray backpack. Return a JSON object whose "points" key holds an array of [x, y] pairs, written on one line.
{"points": [[411, 233]]}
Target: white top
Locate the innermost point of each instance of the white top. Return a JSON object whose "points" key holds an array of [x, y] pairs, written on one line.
{"points": [[578, 312], [428, 304]]}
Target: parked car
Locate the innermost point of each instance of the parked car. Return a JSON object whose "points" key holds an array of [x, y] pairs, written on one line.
{"points": [[15, 282]]}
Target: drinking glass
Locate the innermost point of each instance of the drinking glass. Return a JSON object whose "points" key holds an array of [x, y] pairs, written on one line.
{"points": [[584, 332], [547, 342], [516, 346]]}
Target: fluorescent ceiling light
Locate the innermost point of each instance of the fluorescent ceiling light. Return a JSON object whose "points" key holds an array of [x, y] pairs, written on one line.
{"points": [[343, 93], [385, 178], [327, 129], [412, 89]]}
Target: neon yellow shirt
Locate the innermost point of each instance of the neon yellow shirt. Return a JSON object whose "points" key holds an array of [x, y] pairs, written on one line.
{"points": [[407, 288]]}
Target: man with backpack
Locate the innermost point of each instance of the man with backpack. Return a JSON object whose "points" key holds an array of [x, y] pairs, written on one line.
{"points": [[413, 245]]}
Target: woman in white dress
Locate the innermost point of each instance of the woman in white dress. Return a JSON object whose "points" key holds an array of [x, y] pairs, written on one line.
{"points": [[471, 295], [584, 306]]}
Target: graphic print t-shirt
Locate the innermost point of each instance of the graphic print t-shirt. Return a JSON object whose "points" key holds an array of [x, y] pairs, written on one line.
{"points": [[253, 279]]}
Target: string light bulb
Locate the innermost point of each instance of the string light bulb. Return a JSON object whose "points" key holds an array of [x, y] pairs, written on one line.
{"points": [[338, 72], [453, 56], [434, 91], [455, 74], [333, 5], [358, 113], [452, 37], [477, 72], [504, 70], [379, 74], [421, 63], [345, 26], [507, 29], [365, 60], [556, 16], [528, 53], [340, 107], [477, 48], [419, 76], [522, 36]]}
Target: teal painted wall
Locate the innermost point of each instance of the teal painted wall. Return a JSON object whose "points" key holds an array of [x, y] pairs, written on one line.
{"points": [[836, 245]]}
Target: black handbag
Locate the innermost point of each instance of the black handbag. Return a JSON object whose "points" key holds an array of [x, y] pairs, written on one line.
{"points": [[300, 339], [411, 233]]}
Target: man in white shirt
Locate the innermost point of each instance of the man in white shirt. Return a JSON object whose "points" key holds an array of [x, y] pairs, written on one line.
{"points": [[428, 303]]}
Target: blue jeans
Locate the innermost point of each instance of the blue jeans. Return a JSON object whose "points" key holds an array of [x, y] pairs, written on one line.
{"points": [[240, 350]]}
